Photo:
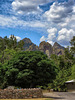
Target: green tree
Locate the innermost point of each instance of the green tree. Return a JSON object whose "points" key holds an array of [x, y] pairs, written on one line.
{"points": [[64, 64], [8, 54], [8, 46], [61, 78], [12, 42], [29, 69], [73, 72], [73, 45], [55, 58], [2, 72], [21, 44]]}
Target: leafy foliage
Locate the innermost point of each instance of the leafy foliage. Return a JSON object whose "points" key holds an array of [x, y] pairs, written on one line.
{"points": [[29, 69], [73, 72], [73, 45], [8, 47]]}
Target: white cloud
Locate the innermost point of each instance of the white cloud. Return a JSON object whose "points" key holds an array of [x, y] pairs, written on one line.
{"points": [[52, 30], [15, 22], [22, 6], [55, 13], [61, 13], [42, 38], [61, 38], [51, 35], [74, 9], [65, 35]]}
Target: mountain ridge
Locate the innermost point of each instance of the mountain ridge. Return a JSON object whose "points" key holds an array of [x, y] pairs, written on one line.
{"points": [[44, 46]]}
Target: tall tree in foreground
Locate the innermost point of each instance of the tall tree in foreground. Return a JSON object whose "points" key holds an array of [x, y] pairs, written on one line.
{"points": [[9, 46], [29, 69]]}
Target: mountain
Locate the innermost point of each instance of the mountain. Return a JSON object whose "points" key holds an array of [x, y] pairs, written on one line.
{"points": [[45, 47], [58, 49], [29, 46], [0, 37]]}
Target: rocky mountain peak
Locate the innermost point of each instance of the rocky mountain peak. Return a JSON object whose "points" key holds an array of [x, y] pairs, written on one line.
{"points": [[44, 45], [28, 45], [58, 49], [57, 46], [27, 40], [46, 48]]}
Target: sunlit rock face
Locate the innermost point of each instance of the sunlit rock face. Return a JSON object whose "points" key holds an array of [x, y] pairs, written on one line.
{"points": [[46, 48]]}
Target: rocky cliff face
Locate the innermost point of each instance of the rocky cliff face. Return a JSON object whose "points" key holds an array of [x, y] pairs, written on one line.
{"points": [[28, 45], [44, 47], [58, 49]]}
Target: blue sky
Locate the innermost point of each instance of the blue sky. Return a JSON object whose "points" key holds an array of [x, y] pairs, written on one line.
{"points": [[39, 20]]}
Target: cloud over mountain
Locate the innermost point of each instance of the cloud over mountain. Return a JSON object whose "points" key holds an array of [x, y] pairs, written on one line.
{"points": [[62, 17]]}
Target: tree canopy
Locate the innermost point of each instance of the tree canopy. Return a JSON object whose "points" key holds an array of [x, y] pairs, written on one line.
{"points": [[73, 72], [29, 69], [73, 45]]}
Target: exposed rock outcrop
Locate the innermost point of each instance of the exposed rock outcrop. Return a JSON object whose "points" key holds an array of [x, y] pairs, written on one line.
{"points": [[28, 45], [46, 48], [58, 49]]}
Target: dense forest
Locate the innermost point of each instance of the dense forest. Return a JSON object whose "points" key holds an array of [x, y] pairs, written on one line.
{"points": [[28, 69]]}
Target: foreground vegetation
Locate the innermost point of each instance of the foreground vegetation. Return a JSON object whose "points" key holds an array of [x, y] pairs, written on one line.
{"points": [[27, 69]]}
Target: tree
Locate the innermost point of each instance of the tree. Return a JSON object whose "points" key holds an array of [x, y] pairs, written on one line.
{"points": [[73, 72], [8, 54], [12, 42], [73, 45], [8, 46], [21, 44], [61, 78], [55, 58], [1, 75], [64, 64], [29, 69]]}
